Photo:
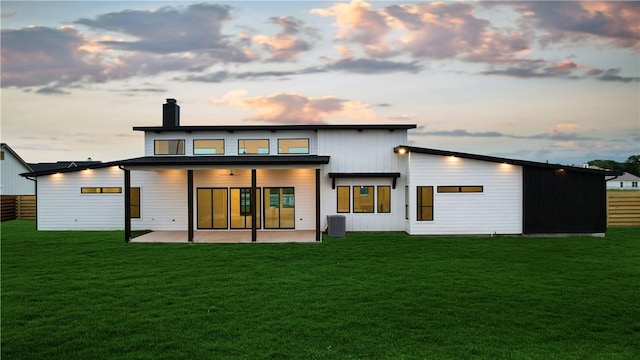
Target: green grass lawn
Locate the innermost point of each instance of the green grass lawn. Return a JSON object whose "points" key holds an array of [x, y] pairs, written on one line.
{"points": [[88, 295]]}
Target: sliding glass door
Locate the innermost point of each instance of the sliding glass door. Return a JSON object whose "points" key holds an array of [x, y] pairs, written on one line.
{"points": [[241, 208], [222, 208], [212, 208], [279, 208]]}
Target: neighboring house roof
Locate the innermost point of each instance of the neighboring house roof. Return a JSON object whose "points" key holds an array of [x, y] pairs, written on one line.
{"points": [[6, 147], [627, 177], [504, 160], [62, 165], [231, 128]]}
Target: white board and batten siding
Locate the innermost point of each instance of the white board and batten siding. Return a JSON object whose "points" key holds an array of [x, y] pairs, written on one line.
{"points": [[366, 151], [351, 152], [62, 206], [391, 221], [163, 200], [496, 210]]}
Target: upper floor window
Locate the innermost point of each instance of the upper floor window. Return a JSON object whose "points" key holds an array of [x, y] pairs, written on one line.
{"points": [[169, 147], [293, 146], [208, 147], [253, 146]]}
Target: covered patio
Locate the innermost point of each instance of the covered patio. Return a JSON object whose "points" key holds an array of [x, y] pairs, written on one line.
{"points": [[203, 174], [228, 237]]}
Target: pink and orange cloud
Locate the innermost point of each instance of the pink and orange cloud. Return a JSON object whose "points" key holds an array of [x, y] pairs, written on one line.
{"points": [[288, 108]]}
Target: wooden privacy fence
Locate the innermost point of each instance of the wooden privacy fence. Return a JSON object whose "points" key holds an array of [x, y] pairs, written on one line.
{"points": [[623, 208], [22, 207]]}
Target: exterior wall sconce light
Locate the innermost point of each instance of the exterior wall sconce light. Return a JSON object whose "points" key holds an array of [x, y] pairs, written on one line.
{"points": [[401, 150]]}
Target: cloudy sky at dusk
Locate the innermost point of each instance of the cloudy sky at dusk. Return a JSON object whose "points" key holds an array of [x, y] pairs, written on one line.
{"points": [[542, 81]]}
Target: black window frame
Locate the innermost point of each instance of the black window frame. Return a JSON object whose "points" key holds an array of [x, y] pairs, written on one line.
{"points": [[419, 205], [280, 205], [138, 202], [295, 153], [193, 150], [101, 190], [257, 153], [353, 199], [377, 200], [453, 189], [338, 199], [155, 149], [227, 196], [406, 202], [246, 218]]}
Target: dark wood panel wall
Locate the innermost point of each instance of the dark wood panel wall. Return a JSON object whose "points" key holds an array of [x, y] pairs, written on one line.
{"points": [[563, 201]]}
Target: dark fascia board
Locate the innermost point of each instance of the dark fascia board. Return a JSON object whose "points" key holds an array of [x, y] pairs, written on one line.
{"points": [[334, 175], [505, 160], [279, 127], [227, 160]]}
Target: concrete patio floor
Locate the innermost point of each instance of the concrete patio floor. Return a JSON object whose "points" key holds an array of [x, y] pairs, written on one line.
{"points": [[231, 237]]}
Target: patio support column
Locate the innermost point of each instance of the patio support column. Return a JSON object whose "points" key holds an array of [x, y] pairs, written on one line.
{"points": [[127, 205], [318, 205], [190, 205], [254, 231]]}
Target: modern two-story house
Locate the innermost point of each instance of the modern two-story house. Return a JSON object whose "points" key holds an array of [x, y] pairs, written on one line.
{"points": [[256, 179]]}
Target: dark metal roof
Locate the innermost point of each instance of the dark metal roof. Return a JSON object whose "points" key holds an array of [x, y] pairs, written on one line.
{"points": [[227, 160], [216, 160], [231, 128], [62, 165], [56, 170], [505, 160]]}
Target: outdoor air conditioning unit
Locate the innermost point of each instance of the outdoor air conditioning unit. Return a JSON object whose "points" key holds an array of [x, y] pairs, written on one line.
{"points": [[336, 225]]}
